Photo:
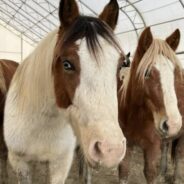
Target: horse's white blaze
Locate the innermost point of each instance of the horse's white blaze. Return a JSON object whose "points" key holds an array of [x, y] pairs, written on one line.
{"points": [[97, 80], [96, 95], [167, 79]]}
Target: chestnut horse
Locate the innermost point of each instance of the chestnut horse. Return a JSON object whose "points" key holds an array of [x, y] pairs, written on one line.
{"points": [[7, 69], [150, 105], [67, 87]]}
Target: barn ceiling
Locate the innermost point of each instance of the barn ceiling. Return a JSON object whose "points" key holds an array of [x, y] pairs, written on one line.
{"points": [[33, 19]]}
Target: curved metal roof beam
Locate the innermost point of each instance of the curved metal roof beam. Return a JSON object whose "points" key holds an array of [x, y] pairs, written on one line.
{"points": [[135, 29], [139, 13], [90, 9], [182, 4], [132, 20]]}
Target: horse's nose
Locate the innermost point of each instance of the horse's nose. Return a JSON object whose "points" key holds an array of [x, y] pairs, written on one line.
{"points": [[106, 153], [170, 127]]}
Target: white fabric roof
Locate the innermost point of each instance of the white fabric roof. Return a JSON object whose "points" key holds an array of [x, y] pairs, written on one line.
{"points": [[35, 18]]}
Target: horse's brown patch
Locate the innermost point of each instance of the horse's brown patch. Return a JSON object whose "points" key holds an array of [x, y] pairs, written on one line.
{"points": [[66, 82], [153, 90]]}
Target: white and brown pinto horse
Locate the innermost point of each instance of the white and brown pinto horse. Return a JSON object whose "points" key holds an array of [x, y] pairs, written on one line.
{"points": [[151, 104], [7, 69], [67, 86]]}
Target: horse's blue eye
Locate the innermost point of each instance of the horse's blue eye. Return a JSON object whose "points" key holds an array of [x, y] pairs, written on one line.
{"points": [[67, 65]]}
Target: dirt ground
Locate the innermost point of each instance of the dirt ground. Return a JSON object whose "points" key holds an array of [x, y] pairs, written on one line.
{"points": [[102, 176]]}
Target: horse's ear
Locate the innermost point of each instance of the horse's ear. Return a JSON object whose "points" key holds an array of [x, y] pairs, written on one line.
{"points": [[145, 40], [174, 39], [128, 55], [110, 14], [68, 12]]}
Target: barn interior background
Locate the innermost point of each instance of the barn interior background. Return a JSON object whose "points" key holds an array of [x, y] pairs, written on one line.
{"points": [[23, 23]]}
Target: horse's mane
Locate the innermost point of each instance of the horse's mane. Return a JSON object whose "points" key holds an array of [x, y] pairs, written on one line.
{"points": [[125, 81], [33, 80], [157, 47]]}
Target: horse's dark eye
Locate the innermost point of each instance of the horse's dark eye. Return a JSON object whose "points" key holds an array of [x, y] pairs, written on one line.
{"points": [[147, 74], [67, 65]]}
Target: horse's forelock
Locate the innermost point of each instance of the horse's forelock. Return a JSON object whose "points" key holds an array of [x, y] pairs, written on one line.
{"points": [[91, 29], [148, 60]]}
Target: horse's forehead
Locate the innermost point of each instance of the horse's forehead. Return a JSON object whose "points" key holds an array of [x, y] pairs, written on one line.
{"points": [[163, 64], [106, 52]]}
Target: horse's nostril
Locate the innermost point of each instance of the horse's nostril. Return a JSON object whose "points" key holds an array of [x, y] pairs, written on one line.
{"points": [[97, 148], [165, 127]]}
